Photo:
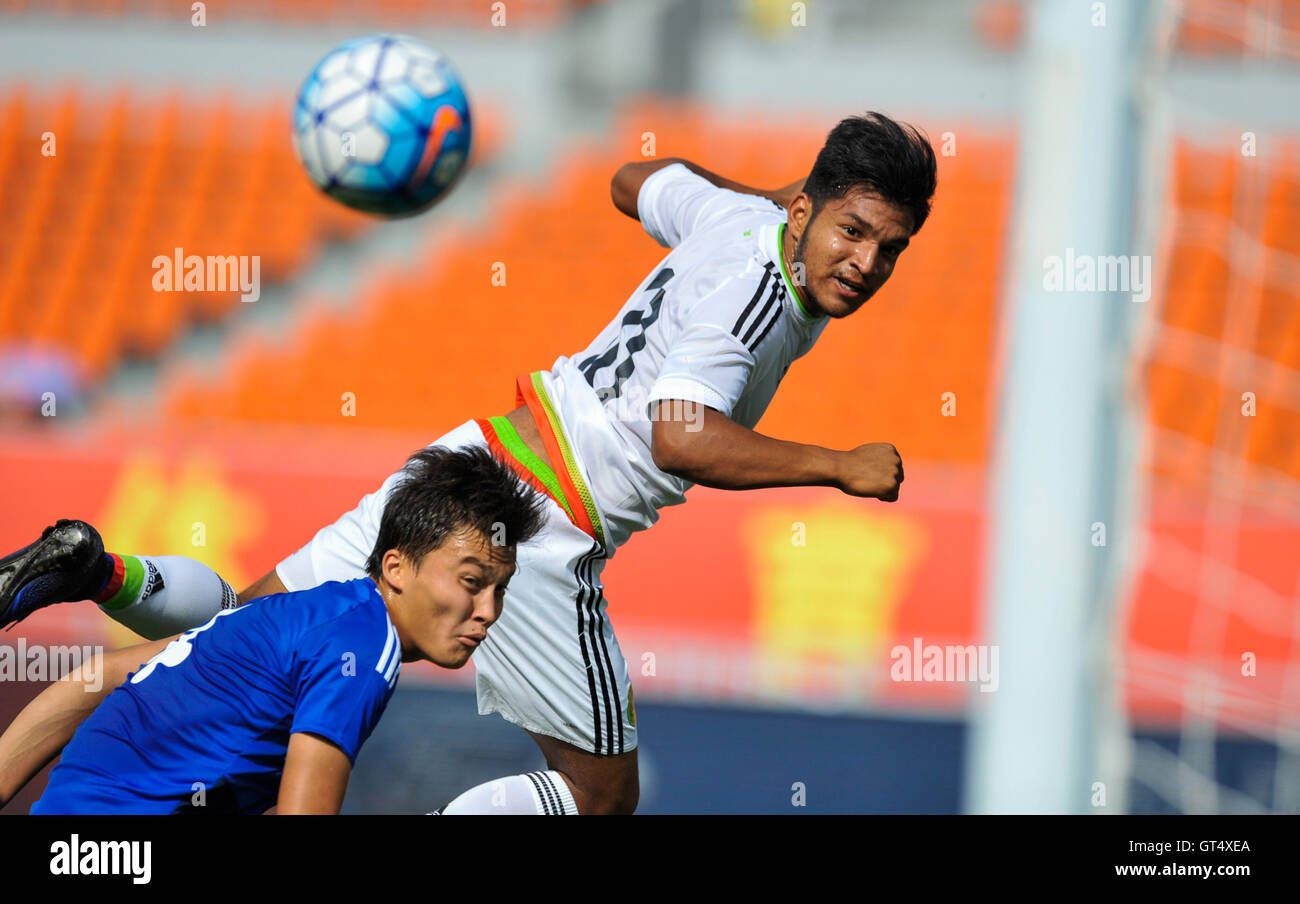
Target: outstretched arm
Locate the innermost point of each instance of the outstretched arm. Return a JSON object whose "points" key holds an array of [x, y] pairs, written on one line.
{"points": [[45, 725], [626, 184], [702, 445]]}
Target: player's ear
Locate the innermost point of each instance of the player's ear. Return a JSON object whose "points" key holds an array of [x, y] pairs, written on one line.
{"points": [[800, 214], [393, 568]]}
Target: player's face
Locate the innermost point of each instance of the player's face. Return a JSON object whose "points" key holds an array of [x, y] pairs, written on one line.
{"points": [[848, 249], [447, 605]]}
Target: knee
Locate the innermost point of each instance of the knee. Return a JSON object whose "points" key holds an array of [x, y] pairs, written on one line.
{"points": [[603, 785], [610, 795], [624, 801]]}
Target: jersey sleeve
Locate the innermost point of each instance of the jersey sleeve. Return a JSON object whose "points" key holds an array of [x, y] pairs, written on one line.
{"points": [[712, 357], [347, 669], [674, 202]]}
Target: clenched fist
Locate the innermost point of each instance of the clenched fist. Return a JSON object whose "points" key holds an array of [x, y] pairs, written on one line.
{"points": [[874, 470]]}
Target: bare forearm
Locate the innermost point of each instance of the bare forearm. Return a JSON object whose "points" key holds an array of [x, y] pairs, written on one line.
{"points": [[712, 450], [728, 456], [47, 724], [761, 462], [40, 732]]}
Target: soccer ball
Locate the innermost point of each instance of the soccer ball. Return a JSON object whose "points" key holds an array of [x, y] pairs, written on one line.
{"points": [[382, 125]]}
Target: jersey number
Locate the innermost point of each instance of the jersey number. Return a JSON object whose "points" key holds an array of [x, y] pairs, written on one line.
{"points": [[178, 650], [639, 318]]}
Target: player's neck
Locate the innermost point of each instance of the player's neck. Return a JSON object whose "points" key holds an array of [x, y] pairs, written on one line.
{"points": [[409, 651], [787, 266]]}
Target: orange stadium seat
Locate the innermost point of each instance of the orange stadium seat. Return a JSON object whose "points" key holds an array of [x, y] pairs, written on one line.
{"points": [[1234, 301], [133, 180], [132, 183]]}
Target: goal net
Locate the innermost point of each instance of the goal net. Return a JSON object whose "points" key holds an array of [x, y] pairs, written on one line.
{"points": [[1211, 667]]}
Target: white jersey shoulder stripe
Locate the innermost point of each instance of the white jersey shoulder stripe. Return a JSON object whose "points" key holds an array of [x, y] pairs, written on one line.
{"points": [[394, 667], [389, 655]]}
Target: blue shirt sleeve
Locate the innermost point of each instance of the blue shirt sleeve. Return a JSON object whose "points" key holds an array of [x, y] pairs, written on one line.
{"points": [[347, 669]]}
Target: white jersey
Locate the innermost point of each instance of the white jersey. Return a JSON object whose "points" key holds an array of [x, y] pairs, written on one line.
{"points": [[716, 322]]}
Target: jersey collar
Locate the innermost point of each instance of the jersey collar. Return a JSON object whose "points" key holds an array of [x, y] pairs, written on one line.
{"points": [[774, 241]]}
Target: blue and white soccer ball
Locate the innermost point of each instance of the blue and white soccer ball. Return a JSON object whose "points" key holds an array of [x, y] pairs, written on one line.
{"points": [[382, 125]]}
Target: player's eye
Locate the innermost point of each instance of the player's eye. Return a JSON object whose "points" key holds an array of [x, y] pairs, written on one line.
{"points": [[475, 583], [849, 230]]}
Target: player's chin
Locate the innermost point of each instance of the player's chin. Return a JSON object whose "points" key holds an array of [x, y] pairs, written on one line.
{"points": [[834, 302], [837, 308], [453, 655]]}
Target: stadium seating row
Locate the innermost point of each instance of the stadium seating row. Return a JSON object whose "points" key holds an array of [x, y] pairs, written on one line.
{"points": [[98, 193], [132, 180], [95, 195]]}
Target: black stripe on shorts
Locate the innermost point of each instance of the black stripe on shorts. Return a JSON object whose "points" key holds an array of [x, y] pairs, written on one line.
{"points": [[591, 637]]}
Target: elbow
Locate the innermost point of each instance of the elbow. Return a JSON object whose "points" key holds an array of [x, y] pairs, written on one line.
{"points": [[669, 452], [662, 459], [621, 194], [614, 193]]}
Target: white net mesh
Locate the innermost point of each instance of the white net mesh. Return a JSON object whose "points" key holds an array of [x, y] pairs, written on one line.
{"points": [[1212, 670]]}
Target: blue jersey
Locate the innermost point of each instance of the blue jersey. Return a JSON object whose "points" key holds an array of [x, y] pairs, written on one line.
{"points": [[204, 726]]}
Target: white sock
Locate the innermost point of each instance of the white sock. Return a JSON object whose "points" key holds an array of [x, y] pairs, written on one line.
{"points": [[531, 794], [170, 594]]}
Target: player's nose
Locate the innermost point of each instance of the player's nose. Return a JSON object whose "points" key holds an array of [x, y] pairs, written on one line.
{"points": [[488, 605], [865, 258]]}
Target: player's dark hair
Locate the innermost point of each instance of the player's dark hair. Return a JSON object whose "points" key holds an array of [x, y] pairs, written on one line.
{"points": [[443, 491], [872, 151]]}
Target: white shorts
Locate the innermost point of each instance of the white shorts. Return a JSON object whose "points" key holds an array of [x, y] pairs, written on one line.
{"points": [[551, 664]]}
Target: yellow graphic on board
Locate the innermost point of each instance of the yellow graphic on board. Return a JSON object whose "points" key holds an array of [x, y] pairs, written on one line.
{"points": [[828, 581], [776, 18], [192, 510]]}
